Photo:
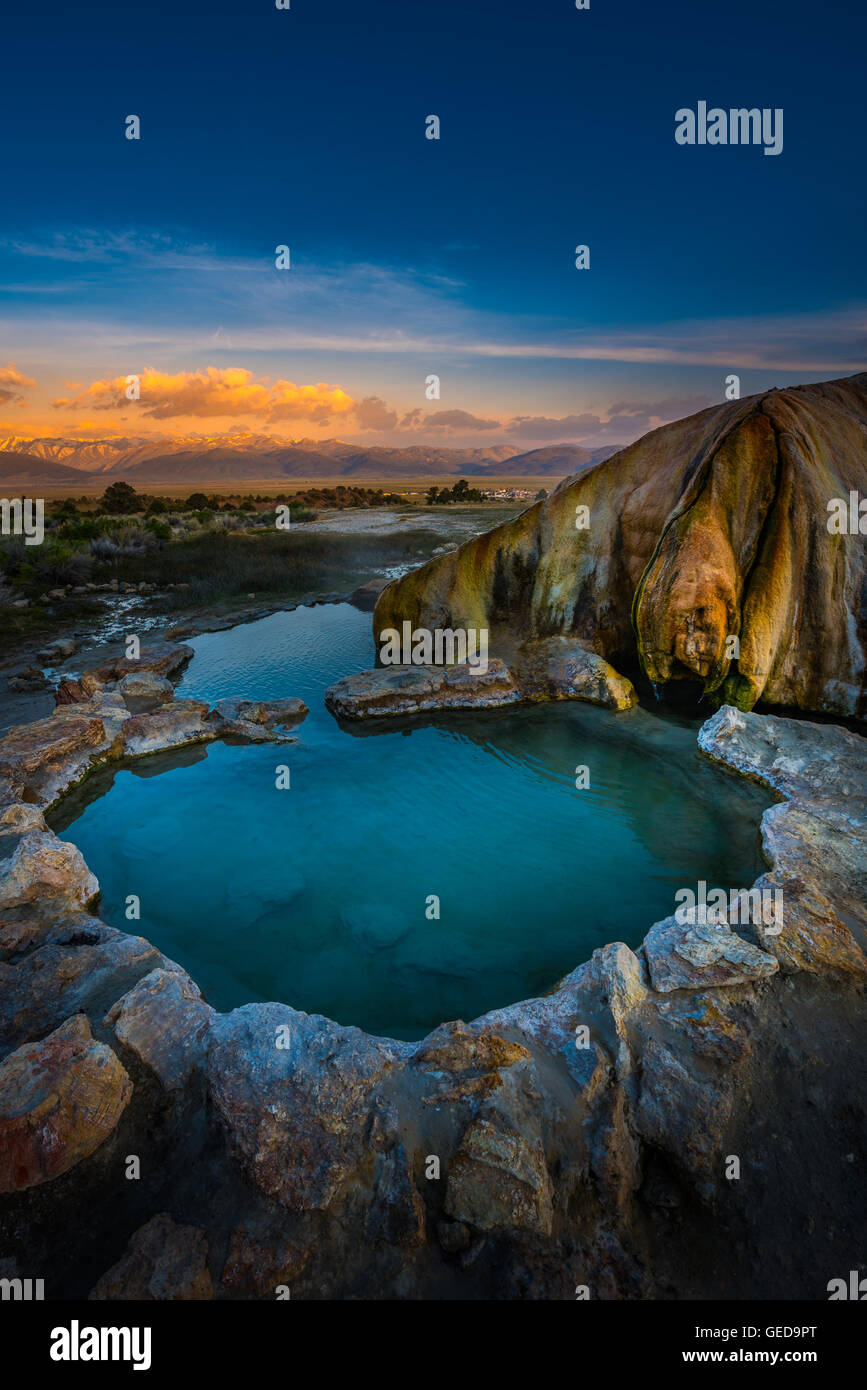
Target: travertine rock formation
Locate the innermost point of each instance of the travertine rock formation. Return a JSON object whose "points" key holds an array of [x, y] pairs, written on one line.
{"points": [[709, 529]]}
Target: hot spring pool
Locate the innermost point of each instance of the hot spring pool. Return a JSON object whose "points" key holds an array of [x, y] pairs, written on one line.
{"points": [[316, 895]]}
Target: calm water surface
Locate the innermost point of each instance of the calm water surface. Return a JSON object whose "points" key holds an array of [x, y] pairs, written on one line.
{"points": [[316, 896]]}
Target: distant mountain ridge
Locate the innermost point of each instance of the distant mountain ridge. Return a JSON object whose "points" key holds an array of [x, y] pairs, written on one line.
{"points": [[16, 467], [246, 457]]}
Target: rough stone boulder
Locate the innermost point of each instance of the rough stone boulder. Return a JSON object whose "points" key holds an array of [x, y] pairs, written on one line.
{"points": [[42, 759], [164, 1261], [453, 1047], [59, 1100], [396, 1213], [19, 816], [145, 690], [819, 855], [162, 658], [262, 1255], [560, 668], [294, 1093], [498, 1178], [708, 529], [465, 1064], [78, 691], [259, 721], [797, 758], [173, 725], [165, 1022], [58, 966], [266, 712], [815, 842], [700, 954], [409, 689], [681, 1111], [43, 873]]}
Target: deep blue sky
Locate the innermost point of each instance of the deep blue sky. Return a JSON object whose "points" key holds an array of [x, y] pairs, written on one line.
{"points": [[306, 126]]}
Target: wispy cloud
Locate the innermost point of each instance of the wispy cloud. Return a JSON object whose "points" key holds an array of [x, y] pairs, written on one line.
{"points": [[369, 309], [154, 250]]}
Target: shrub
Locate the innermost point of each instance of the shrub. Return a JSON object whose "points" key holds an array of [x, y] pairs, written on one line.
{"points": [[14, 555], [121, 543], [57, 563]]}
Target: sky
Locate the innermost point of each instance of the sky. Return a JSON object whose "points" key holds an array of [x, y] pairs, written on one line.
{"points": [[413, 257]]}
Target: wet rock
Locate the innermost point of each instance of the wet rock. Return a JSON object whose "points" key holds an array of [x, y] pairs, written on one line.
{"points": [[259, 721], [183, 721], [410, 689], [165, 1022], [70, 692], [562, 668], [268, 713], [816, 842], [59, 1100], [295, 1114], [498, 1179], [696, 954], [823, 841], [163, 1261]]}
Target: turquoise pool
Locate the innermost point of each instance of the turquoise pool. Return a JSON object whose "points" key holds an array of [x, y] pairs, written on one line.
{"points": [[317, 895]]}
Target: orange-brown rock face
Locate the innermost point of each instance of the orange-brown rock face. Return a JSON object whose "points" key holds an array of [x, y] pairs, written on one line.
{"points": [[704, 555]]}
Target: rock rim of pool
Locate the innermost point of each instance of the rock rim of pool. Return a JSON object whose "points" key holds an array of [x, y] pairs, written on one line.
{"points": [[555, 668], [525, 1152]]}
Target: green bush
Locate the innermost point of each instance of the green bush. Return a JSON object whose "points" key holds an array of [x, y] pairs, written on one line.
{"points": [[56, 563]]}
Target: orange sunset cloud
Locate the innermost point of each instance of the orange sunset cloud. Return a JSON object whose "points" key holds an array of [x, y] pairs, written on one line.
{"points": [[12, 383], [216, 391]]}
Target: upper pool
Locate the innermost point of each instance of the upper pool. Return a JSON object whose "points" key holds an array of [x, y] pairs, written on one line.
{"points": [[316, 895]]}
